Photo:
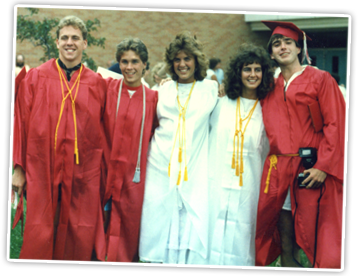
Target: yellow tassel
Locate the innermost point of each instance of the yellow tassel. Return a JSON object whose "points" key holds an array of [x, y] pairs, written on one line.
{"points": [[180, 154], [186, 174], [267, 186], [273, 163], [233, 161], [169, 170], [77, 159], [241, 180], [179, 176], [237, 169]]}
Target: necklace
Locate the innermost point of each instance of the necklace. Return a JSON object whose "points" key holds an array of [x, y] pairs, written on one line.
{"points": [[73, 99], [239, 170], [181, 133]]}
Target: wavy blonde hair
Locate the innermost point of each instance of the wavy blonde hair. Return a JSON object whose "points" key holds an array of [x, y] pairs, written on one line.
{"points": [[73, 21], [188, 43]]}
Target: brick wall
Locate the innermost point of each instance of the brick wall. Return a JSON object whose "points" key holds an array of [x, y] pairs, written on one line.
{"points": [[222, 33]]}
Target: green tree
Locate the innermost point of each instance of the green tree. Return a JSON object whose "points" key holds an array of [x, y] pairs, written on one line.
{"points": [[40, 33]]}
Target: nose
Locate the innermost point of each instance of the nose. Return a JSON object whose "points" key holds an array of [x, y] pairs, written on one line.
{"points": [[69, 41], [181, 63], [129, 65], [252, 73]]}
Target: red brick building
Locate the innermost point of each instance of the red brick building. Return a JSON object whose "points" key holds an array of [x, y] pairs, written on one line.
{"points": [[221, 32]]}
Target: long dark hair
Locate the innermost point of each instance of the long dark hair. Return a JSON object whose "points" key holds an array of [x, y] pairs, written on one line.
{"points": [[248, 54]]}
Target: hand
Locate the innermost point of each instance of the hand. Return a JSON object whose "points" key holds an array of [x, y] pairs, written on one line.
{"points": [[315, 179], [164, 81], [18, 180], [222, 90]]}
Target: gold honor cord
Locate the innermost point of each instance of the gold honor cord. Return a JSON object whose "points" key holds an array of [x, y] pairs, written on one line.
{"points": [[235, 158], [63, 79], [182, 137]]}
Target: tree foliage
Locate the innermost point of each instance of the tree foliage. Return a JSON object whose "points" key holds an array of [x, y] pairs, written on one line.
{"points": [[42, 34]]}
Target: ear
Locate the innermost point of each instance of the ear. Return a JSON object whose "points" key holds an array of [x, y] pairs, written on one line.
{"points": [[57, 44], [144, 69], [85, 44]]}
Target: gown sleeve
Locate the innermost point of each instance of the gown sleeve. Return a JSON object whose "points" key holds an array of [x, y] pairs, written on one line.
{"points": [[330, 157], [23, 102]]}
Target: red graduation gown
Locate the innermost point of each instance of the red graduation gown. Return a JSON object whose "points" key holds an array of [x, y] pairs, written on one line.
{"points": [[289, 127], [127, 196], [37, 109]]}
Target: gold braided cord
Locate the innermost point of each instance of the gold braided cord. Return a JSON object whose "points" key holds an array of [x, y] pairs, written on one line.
{"points": [[73, 99], [239, 170], [182, 136]]}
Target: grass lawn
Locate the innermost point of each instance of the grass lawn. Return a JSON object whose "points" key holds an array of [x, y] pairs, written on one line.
{"points": [[16, 237], [16, 242]]}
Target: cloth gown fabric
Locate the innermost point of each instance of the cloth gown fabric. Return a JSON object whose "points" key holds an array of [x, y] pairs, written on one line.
{"points": [[123, 134], [174, 226], [289, 127], [37, 108], [232, 209]]}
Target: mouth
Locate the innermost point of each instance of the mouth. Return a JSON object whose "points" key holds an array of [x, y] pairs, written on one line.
{"points": [[183, 70], [284, 54], [130, 74]]}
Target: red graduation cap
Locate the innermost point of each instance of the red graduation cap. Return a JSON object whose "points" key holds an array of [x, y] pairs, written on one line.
{"points": [[290, 30]]}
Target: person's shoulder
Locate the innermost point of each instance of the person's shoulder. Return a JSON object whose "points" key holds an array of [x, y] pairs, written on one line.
{"points": [[150, 92], [209, 83], [317, 74]]}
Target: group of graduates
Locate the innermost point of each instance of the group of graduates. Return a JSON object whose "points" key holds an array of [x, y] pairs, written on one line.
{"points": [[115, 171]]}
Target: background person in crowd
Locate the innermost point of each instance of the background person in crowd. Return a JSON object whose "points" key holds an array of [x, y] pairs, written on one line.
{"points": [[158, 74], [20, 63], [58, 151], [238, 147], [174, 226], [219, 72], [304, 113], [115, 68], [210, 72], [130, 117]]}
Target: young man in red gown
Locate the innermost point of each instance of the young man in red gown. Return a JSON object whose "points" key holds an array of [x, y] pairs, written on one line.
{"points": [[130, 118], [290, 217], [58, 152]]}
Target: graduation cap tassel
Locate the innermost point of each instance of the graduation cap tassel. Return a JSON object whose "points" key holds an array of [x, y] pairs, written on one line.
{"points": [[169, 170], [305, 51]]}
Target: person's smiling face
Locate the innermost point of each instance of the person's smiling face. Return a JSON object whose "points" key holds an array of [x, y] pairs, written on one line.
{"points": [[132, 68], [251, 76], [285, 51], [71, 45], [184, 67]]}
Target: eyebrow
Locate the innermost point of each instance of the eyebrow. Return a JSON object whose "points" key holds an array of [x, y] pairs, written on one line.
{"points": [[284, 39]]}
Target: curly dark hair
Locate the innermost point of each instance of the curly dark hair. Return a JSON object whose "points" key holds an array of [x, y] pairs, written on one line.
{"points": [[248, 54], [188, 43]]}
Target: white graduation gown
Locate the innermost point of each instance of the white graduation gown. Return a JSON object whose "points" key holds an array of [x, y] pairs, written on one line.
{"points": [[233, 209], [174, 225]]}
